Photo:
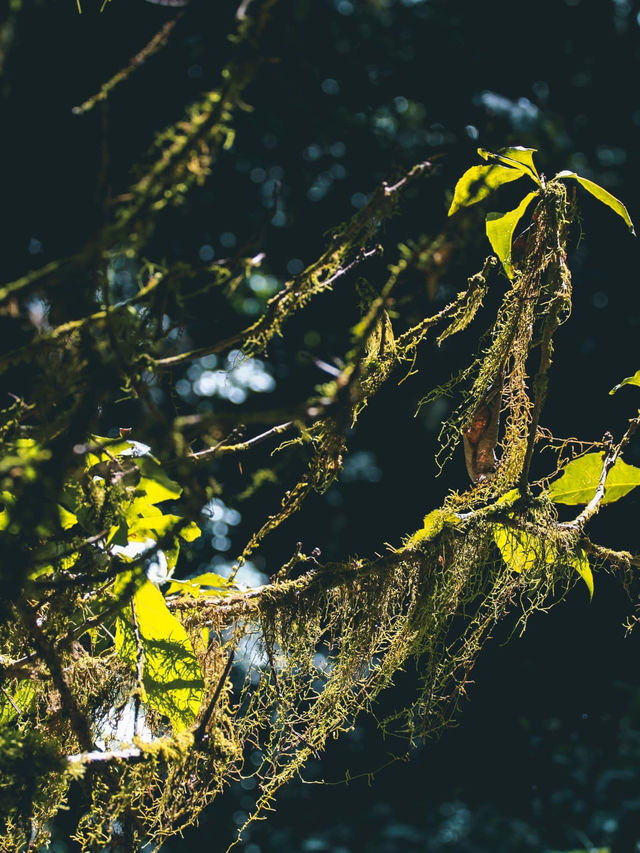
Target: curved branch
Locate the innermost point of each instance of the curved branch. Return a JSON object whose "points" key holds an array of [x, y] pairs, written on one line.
{"points": [[610, 459]]}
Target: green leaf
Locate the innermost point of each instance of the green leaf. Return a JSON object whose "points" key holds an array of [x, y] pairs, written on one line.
{"points": [[602, 195], [521, 550], [154, 484], [509, 497], [500, 228], [580, 563], [431, 526], [208, 584], [142, 528], [141, 507], [67, 519], [478, 182], [25, 456], [115, 446], [581, 476], [630, 380], [118, 534], [190, 531], [22, 696], [6, 499], [172, 677], [518, 157]]}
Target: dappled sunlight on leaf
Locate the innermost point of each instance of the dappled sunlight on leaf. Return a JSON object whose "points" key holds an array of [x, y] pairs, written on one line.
{"points": [[173, 679]]}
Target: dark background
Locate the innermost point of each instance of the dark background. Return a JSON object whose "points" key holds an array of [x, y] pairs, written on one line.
{"points": [[546, 755]]}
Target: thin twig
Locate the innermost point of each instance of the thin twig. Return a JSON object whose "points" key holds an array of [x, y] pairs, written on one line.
{"points": [[153, 46], [139, 672], [79, 630], [91, 540], [410, 338], [222, 449], [299, 289], [610, 459], [49, 653], [363, 255], [541, 381], [201, 729], [7, 696]]}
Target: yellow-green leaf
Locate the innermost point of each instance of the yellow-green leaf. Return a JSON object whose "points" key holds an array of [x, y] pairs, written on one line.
{"points": [[172, 677], [602, 195], [630, 380], [154, 484], [517, 156], [520, 549], [115, 446], [6, 499], [581, 476], [431, 526], [208, 584], [22, 697], [156, 492], [500, 228], [478, 182], [67, 519], [190, 531], [142, 528], [509, 497], [141, 506], [580, 562]]}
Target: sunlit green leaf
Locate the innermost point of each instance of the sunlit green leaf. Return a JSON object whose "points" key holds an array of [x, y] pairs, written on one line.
{"points": [[509, 497], [24, 455], [154, 484], [141, 506], [478, 182], [67, 519], [190, 531], [173, 679], [208, 584], [520, 549], [500, 228], [141, 528], [518, 157], [431, 526], [6, 499], [171, 552], [580, 563], [21, 697], [580, 478], [115, 446], [630, 380], [602, 195], [118, 534]]}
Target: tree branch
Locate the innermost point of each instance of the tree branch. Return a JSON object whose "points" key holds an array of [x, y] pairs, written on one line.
{"points": [[222, 449], [610, 459]]}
